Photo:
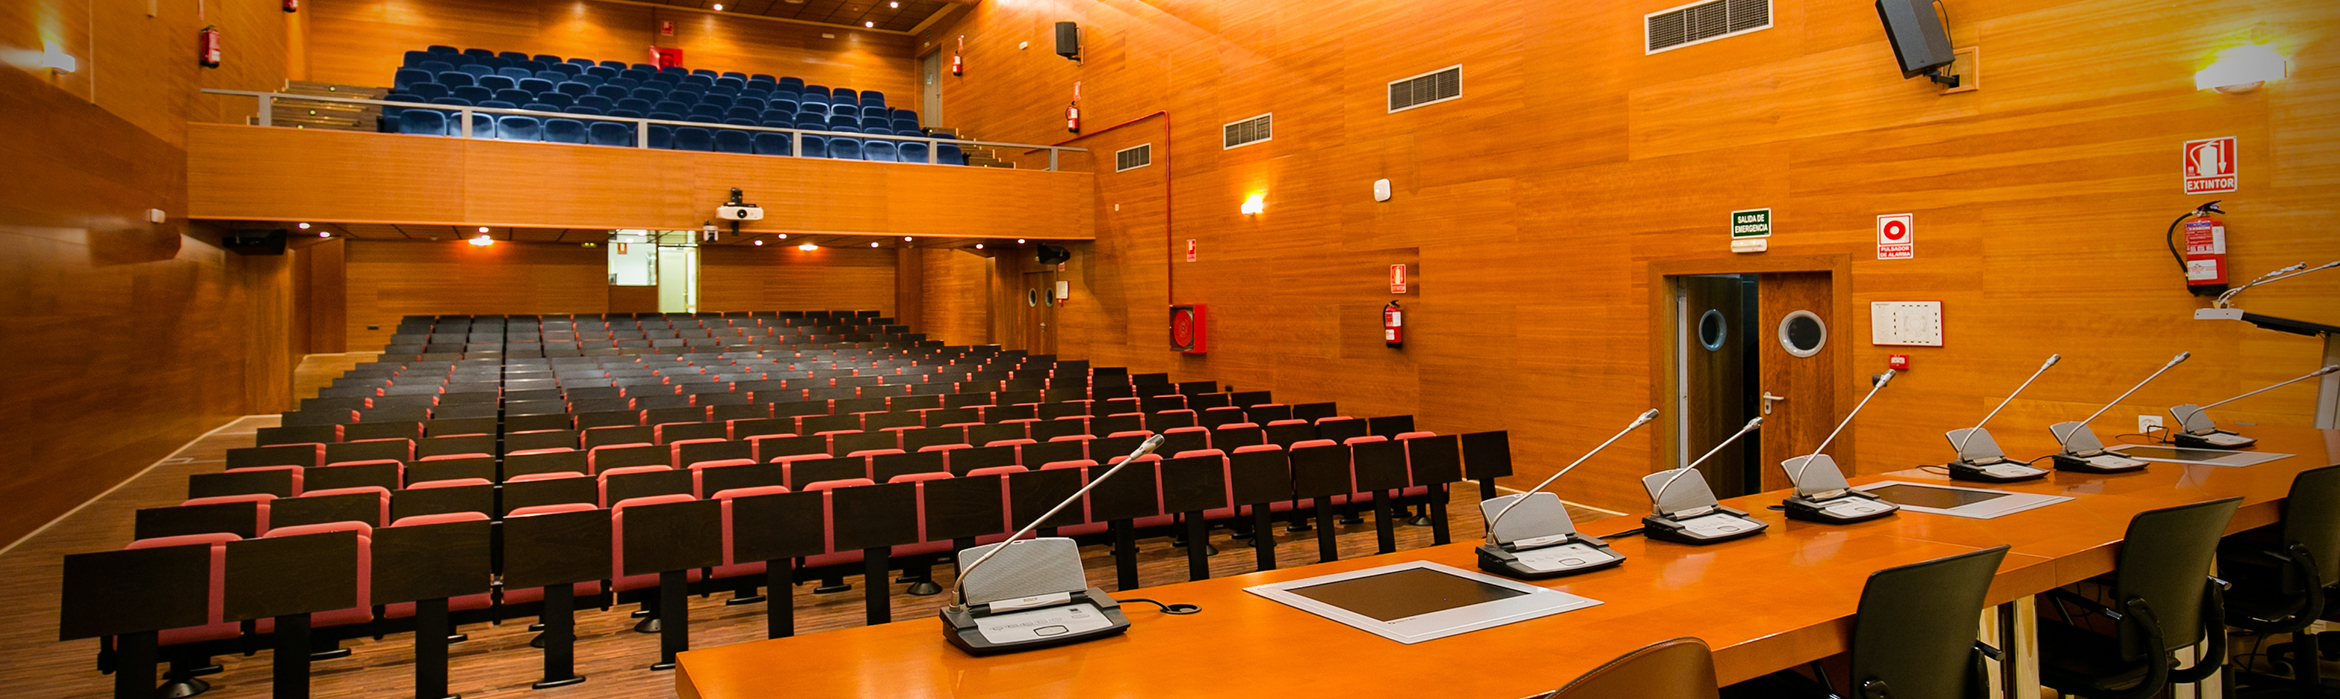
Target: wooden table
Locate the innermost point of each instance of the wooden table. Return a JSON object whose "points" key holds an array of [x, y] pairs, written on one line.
{"points": [[1768, 602]]}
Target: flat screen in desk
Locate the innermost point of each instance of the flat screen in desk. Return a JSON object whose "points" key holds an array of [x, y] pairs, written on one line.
{"points": [[1936, 498], [2212, 457], [1405, 593]]}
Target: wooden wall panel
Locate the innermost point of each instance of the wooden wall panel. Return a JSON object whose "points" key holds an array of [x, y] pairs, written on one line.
{"points": [[783, 278], [392, 280], [955, 301], [257, 173], [130, 337], [361, 42], [1535, 205]]}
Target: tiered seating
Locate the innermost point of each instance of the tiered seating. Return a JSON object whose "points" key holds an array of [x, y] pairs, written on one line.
{"points": [[886, 450], [570, 92]]}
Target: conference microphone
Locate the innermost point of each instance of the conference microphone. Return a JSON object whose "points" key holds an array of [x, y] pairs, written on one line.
{"points": [[1044, 599], [2195, 429], [1546, 543], [1694, 516], [1986, 462], [2081, 451], [1822, 494]]}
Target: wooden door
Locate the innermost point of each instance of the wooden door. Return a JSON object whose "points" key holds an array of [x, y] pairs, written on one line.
{"points": [[1039, 312], [1716, 360], [1797, 385]]}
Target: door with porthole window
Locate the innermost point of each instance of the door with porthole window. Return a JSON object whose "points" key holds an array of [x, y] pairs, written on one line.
{"points": [[1797, 351]]}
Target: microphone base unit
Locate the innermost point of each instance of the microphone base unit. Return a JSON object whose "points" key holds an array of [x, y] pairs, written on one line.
{"points": [[1084, 616], [1573, 555], [1711, 527], [1852, 506], [2218, 439], [2107, 462], [2000, 472]]}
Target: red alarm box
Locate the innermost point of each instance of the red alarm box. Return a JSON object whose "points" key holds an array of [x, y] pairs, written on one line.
{"points": [[1187, 328]]}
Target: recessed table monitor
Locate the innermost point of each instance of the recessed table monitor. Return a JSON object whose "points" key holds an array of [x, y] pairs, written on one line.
{"points": [[1956, 501], [2204, 457], [1420, 601]]}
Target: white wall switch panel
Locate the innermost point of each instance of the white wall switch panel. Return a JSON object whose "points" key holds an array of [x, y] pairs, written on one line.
{"points": [[1906, 323]]}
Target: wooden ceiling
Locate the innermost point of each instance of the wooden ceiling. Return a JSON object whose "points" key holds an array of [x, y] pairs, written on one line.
{"points": [[889, 15], [426, 233]]}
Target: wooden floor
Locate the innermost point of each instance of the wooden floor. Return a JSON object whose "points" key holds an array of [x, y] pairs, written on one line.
{"points": [[496, 661]]}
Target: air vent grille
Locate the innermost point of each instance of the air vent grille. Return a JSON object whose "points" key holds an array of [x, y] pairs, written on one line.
{"points": [[1703, 22], [1250, 131], [1427, 88], [1128, 159]]}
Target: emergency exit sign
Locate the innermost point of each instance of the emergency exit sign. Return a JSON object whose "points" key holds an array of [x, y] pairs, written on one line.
{"points": [[1752, 223]]}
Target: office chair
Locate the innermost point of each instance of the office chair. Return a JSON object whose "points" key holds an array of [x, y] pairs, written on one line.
{"points": [[2163, 600], [1682, 668], [2279, 585], [1913, 636]]}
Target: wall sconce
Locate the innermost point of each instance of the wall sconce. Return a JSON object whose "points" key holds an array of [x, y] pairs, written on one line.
{"points": [[2242, 69], [1257, 203], [56, 60]]}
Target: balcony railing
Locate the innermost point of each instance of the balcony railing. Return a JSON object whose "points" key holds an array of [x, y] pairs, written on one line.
{"points": [[464, 116]]}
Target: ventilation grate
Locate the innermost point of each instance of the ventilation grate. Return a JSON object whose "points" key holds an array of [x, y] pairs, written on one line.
{"points": [[1250, 131], [1128, 159], [1427, 88], [1703, 22]]}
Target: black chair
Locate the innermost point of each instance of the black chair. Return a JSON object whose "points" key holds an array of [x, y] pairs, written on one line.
{"points": [[2162, 600], [1913, 637], [1682, 668], [2279, 582]]}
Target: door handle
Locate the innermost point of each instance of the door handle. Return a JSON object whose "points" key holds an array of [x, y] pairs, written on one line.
{"points": [[1768, 399]]}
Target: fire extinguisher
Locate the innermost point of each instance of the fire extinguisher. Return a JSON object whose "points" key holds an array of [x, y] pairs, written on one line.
{"points": [[1393, 325], [1072, 117], [958, 59], [2204, 260], [292, 5], [207, 46]]}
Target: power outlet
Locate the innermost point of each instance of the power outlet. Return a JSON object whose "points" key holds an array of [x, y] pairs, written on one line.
{"points": [[2147, 423]]}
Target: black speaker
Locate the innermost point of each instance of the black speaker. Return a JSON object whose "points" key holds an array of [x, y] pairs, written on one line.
{"points": [[1919, 41], [1050, 254], [1068, 40], [254, 241]]}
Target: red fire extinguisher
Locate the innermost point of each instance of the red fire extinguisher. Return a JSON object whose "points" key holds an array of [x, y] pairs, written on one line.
{"points": [[207, 46], [1393, 325], [958, 60], [1072, 117], [2204, 259]]}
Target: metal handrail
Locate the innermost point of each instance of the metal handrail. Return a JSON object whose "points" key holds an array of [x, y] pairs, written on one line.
{"points": [[267, 103]]}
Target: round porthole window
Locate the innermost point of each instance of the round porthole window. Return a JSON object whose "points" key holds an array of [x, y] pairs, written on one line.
{"points": [[1802, 334], [1712, 331], [1031, 297]]}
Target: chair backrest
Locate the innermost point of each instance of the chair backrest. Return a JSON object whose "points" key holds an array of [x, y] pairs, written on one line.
{"points": [[1682, 668], [1916, 626], [2165, 560], [2311, 517]]}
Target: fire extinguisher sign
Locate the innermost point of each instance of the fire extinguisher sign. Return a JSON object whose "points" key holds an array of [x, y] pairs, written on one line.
{"points": [[1397, 279], [2210, 166]]}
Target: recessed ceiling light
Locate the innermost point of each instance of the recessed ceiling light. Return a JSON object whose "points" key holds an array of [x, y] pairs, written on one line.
{"points": [[483, 229], [783, 236], [872, 25], [808, 247], [324, 234], [759, 243], [905, 239], [302, 226], [895, 5], [1019, 241], [873, 243], [978, 246], [719, 7]]}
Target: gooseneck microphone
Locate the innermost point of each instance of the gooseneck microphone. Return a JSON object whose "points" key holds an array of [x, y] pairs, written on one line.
{"points": [[2195, 429], [1751, 426], [959, 587], [1637, 423], [1798, 476], [1822, 494], [2051, 361], [2078, 449]]}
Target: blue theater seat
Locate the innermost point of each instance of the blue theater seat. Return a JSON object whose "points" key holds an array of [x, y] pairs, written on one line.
{"points": [[845, 101], [610, 133], [661, 136], [711, 75], [647, 68], [948, 154], [912, 151], [708, 110], [583, 110], [845, 93], [755, 103], [781, 105], [717, 100], [671, 107], [900, 114], [614, 65], [873, 98], [516, 97], [763, 84], [477, 71], [733, 83], [591, 80], [778, 123], [844, 149], [613, 92], [450, 101], [479, 53], [491, 62], [909, 128], [551, 76], [498, 82], [624, 113], [879, 150], [534, 85], [573, 88], [676, 71], [512, 55], [635, 75], [435, 67], [516, 73], [628, 83], [564, 131], [797, 83], [431, 90], [545, 58], [670, 80], [666, 116], [474, 93], [569, 69], [605, 72], [815, 147], [409, 76], [694, 138], [729, 141], [483, 126], [447, 50], [649, 94], [581, 62], [498, 104], [814, 108], [703, 119], [638, 105], [596, 102], [811, 91], [840, 123], [422, 122], [541, 107], [414, 59], [771, 144], [868, 123], [811, 122], [745, 113], [555, 99], [533, 66]]}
